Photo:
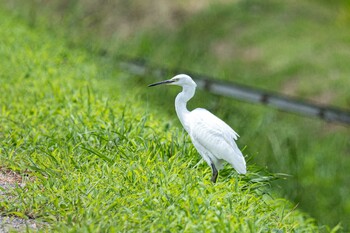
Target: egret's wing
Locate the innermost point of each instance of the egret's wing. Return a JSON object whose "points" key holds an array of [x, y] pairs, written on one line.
{"points": [[217, 137], [208, 120]]}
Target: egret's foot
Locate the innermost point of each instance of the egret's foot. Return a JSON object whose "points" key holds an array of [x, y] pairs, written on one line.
{"points": [[215, 173]]}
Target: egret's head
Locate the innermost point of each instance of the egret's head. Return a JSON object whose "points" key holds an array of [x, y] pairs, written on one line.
{"points": [[179, 80]]}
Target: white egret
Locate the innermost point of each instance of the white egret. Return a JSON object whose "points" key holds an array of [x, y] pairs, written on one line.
{"points": [[213, 138]]}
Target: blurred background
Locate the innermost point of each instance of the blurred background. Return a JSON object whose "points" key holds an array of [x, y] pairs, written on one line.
{"points": [[299, 48]]}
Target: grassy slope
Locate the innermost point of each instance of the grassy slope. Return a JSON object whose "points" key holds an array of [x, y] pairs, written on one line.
{"points": [[266, 44], [100, 161], [300, 48]]}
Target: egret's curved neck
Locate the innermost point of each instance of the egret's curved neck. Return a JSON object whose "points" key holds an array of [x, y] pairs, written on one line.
{"points": [[180, 104]]}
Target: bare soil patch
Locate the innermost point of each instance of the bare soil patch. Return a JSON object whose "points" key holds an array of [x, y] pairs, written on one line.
{"points": [[8, 180]]}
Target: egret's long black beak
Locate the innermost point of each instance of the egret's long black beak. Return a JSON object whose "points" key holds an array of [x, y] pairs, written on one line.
{"points": [[161, 82]]}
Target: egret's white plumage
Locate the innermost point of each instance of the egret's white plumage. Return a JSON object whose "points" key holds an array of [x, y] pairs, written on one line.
{"points": [[212, 137]]}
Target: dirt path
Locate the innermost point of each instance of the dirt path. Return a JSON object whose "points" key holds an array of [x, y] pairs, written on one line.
{"points": [[8, 224], [8, 180]]}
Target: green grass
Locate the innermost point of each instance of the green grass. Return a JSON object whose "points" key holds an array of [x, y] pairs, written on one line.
{"points": [[97, 158], [300, 48], [263, 44]]}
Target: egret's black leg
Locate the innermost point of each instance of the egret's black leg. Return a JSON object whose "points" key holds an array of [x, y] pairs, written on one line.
{"points": [[215, 173]]}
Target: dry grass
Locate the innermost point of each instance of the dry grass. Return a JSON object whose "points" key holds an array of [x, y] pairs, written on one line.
{"points": [[8, 177]]}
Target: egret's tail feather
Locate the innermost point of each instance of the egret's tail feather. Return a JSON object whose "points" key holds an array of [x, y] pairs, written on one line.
{"points": [[240, 166]]}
